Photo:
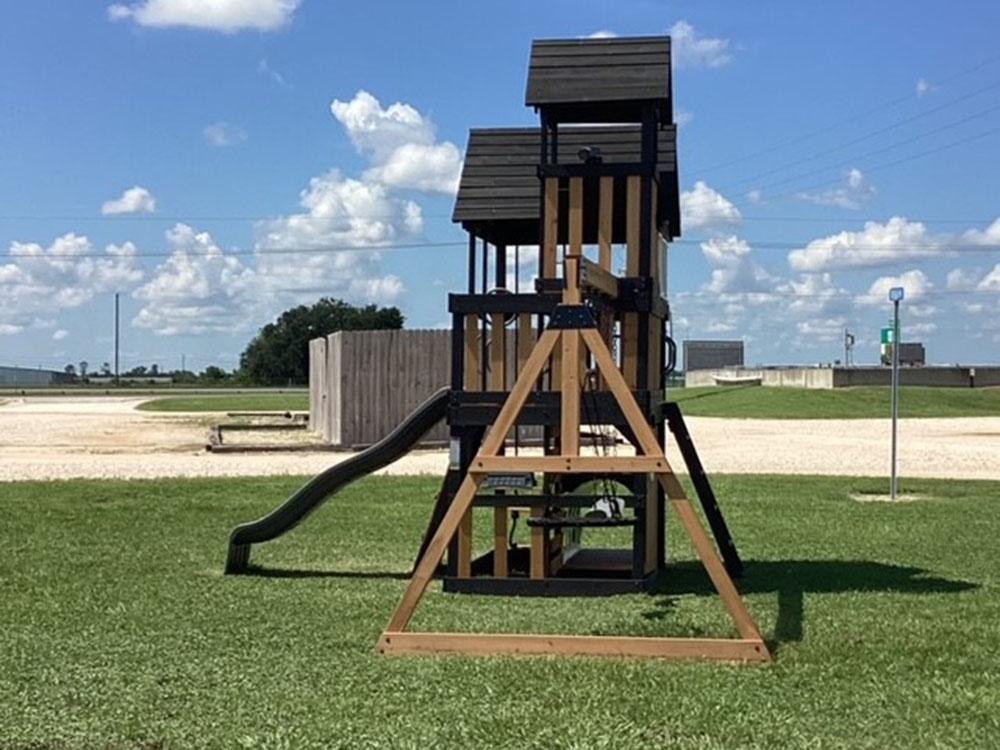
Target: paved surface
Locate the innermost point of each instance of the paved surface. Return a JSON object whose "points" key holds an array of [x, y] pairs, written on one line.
{"points": [[105, 437]]}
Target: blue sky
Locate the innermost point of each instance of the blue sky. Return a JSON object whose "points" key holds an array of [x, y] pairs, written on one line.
{"points": [[827, 152]]}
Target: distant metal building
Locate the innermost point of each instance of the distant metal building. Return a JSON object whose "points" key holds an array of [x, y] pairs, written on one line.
{"points": [[912, 354], [25, 377], [712, 355]]}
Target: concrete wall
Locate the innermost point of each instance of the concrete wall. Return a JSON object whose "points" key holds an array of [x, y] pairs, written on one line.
{"points": [[845, 377], [986, 376]]}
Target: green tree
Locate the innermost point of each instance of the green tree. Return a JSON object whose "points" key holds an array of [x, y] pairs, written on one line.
{"points": [[213, 374], [279, 353]]}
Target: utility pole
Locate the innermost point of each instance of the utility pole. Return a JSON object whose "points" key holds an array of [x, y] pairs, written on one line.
{"points": [[895, 296], [117, 381], [183, 364]]}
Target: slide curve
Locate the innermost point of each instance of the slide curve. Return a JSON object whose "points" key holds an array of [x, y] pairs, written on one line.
{"points": [[310, 496]]}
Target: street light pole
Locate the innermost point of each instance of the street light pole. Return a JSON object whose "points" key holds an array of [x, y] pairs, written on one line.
{"points": [[896, 296], [117, 380]]}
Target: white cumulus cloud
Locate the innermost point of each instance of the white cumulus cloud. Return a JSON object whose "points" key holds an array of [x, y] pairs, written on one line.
{"points": [[988, 236], [959, 279], [198, 289], [991, 281], [135, 200], [853, 194], [228, 16], [401, 144], [692, 50], [725, 251], [915, 283], [705, 208], [897, 240]]}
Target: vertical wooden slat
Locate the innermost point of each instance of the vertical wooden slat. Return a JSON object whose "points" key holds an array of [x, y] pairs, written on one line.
{"points": [[525, 340], [632, 216], [548, 268], [605, 220], [498, 353], [605, 234], [465, 545], [630, 322], [472, 358], [653, 530], [335, 373], [569, 430], [539, 553], [500, 531], [549, 260], [655, 269]]}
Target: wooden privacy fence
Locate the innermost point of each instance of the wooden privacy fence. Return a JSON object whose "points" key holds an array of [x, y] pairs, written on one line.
{"points": [[364, 383]]}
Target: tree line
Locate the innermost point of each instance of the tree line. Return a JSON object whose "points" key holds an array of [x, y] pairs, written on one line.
{"points": [[278, 355]]}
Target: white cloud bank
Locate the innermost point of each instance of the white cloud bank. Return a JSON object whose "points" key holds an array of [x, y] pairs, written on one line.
{"points": [[135, 200], [227, 16], [37, 280], [897, 240]]}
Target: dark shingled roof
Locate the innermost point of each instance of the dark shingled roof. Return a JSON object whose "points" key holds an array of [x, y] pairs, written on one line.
{"points": [[595, 72], [499, 193]]}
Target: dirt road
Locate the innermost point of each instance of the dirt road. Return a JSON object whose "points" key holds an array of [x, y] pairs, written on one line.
{"points": [[105, 437]]}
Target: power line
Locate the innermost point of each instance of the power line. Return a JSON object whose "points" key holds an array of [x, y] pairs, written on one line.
{"points": [[869, 135], [886, 165], [164, 219], [845, 120], [866, 155], [316, 249], [943, 246]]}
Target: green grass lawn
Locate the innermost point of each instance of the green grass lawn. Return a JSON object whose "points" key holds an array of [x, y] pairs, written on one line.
{"points": [[839, 403], [119, 631], [225, 402]]}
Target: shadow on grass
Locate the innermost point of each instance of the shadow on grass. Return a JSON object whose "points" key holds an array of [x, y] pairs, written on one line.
{"points": [[261, 572], [792, 579]]}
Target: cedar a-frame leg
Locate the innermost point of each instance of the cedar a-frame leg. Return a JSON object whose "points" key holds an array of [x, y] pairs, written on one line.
{"points": [[748, 647]]}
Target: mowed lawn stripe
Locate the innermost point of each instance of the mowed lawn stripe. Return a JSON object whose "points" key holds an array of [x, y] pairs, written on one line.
{"points": [[119, 630], [227, 402], [758, 402]]}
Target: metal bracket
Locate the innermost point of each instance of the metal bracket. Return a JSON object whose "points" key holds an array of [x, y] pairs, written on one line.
{"points": [[572, 317]]}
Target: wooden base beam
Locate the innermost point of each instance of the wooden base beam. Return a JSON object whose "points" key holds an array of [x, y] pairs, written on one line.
{"points": [[520, 644], [569, 464]]}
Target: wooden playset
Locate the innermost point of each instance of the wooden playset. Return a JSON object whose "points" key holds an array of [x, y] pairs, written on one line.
{"points": [[578, 360]]}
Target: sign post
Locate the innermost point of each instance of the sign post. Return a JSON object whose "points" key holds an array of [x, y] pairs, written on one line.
{"points": [[895, 296]]}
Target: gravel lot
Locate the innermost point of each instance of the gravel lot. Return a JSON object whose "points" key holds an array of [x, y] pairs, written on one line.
{"points": [[105, 437]]}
